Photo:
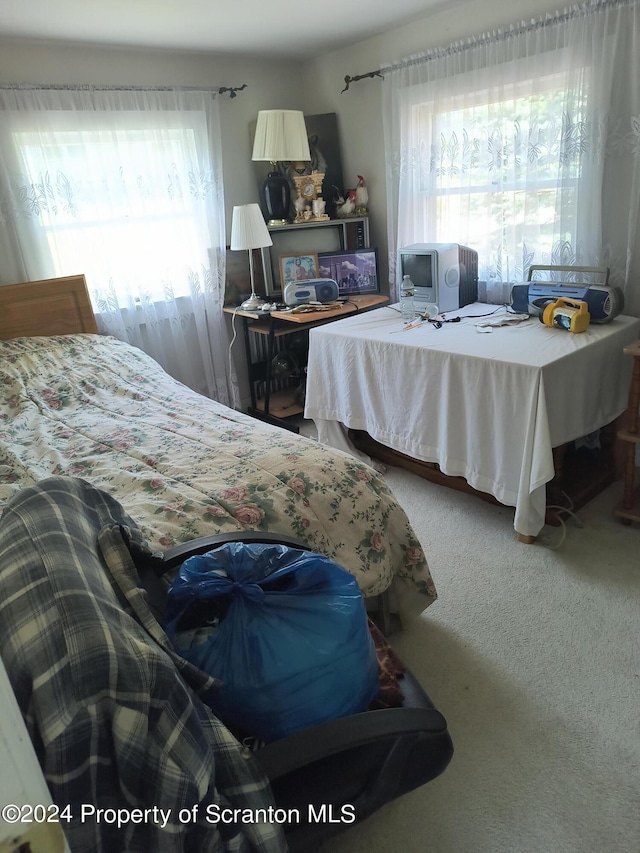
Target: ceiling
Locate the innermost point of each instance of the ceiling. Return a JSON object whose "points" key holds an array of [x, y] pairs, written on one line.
{"points": [[273, 28]]}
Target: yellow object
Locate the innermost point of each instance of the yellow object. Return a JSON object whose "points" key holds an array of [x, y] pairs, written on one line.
{"points": [[570, 314]]}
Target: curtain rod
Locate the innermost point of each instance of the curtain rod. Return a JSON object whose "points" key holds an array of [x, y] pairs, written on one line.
{"points": [[588, 8], [89, 87]]}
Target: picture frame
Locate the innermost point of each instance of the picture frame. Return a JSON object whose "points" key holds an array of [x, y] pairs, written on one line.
{"points": [[297, 268], [355, 270]]}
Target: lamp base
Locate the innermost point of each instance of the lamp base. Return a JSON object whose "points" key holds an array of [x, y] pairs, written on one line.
{"points": [[253, 303], [277, 196]]}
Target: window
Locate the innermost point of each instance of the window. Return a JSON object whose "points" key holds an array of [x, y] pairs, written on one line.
{"points": [[125, 187], [499, 145], [501, 172], [121, 201], [505, 172]]}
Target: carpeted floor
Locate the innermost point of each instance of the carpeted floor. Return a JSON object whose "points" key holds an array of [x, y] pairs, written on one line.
{"points": [[533, 656]]}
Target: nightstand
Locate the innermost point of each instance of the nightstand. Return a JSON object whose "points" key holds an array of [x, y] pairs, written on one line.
{"points": [[276, 407]]}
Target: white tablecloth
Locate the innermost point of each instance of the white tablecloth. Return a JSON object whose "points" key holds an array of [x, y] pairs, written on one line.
{"points": [[487, 407]]}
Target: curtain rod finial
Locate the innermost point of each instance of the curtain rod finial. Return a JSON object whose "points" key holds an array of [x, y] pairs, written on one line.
{"points": [[232, 90], [349, 80]]}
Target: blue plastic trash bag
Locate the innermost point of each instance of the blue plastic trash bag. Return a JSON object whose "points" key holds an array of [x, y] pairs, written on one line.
{"points": [[285, 630]]}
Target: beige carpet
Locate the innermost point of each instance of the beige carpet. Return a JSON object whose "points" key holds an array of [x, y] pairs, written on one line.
{"points": [[533, 656]]}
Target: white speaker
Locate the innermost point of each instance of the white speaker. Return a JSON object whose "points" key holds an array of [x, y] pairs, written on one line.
{"points": [[314, 290]]}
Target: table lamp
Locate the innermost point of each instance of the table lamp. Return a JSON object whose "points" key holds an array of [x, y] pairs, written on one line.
{"points": [[248, 231], [281, 135]]}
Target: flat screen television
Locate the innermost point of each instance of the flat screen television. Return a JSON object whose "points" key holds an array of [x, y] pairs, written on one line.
{"points": [[355, 270]]}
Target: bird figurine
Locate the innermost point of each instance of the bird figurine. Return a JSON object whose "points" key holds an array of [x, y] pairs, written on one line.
{"points": [[300, 205], [362, 197], [348, 205]]}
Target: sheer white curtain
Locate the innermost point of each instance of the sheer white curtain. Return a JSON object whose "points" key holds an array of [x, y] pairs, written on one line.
{"points": [[523, 144], [125, 187]]}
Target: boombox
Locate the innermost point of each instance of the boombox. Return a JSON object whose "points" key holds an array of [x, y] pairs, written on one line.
{"points": [[314, 290], [603, 302]]}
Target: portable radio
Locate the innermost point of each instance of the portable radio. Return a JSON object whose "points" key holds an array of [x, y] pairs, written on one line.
{"points": [[569, 314], [603, 302], [313, 290]]}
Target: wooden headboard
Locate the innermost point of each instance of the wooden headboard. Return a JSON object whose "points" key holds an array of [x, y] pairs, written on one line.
{"points": [[54, 306]]}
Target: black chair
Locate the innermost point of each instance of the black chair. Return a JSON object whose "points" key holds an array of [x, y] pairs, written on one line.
{"points": [[338, 773]]}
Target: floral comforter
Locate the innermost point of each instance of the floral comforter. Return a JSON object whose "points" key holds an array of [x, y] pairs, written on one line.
{"points": [[185, 466]]}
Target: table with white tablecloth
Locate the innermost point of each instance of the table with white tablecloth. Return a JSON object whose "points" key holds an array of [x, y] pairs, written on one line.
{"points": [[487, 406]]}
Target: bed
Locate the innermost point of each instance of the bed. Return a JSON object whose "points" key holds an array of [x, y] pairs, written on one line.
{"points": [[77, 403]]}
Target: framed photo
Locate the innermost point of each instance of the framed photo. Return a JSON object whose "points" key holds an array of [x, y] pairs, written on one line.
{"points": [[355, 270], [298, 267]]}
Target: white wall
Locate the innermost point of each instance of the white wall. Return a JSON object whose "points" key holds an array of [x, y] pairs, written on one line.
{"points": [[270, 85]]}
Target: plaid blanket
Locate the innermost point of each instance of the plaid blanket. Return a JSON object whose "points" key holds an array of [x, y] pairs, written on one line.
{"points": [[113, 725]]}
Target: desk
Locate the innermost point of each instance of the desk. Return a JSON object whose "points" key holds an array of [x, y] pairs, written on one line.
{"points": [[486, 407], [277, 407]]}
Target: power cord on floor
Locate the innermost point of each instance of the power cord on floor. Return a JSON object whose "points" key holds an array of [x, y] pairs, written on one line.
{"points": [[235, 335], [567, 510]]}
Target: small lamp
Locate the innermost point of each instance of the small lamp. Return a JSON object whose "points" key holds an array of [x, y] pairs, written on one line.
{"points": [[248, 231], [280, 135]]}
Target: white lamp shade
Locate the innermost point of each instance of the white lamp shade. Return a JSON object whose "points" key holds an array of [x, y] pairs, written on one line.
{"points": [[281, 135], [248, 228]]}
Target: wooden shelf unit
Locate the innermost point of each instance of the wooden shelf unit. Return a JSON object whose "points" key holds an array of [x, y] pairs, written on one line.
{"points": [[295, 238], [629, 435], [275, 406], [282, 404]]}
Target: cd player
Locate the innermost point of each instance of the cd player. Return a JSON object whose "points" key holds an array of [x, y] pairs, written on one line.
{"points": [[313, 290], [603, 302]]}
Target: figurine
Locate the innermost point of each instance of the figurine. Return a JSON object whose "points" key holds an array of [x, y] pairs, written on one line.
{"points": [[347, 207], [362, 197], [300, 205]]}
